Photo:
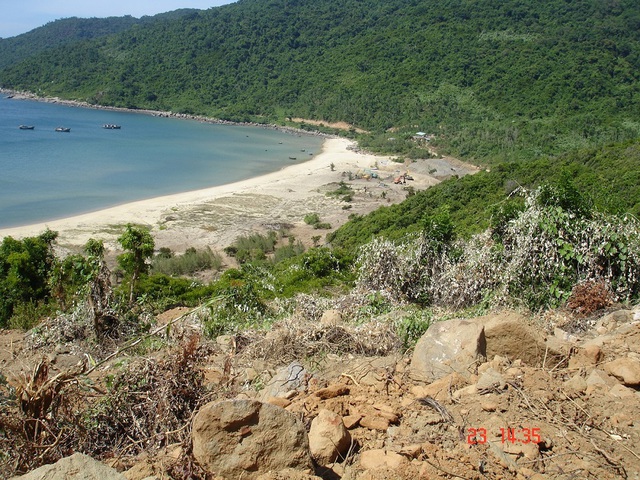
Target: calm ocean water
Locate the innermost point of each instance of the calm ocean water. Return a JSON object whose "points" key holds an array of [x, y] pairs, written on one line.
{"points": [[46, 175]]}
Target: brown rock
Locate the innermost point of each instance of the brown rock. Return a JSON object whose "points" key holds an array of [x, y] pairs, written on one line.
{"points": [[332, 391], [328, 437], [509, 334], [465, 392], [76, 467], [351, 421], [576, 384], [245, 438], [587, 356], [491, 380], [287, 474], [620, 391], [599, 380], [439, 390], [489, 405], [529, 450], [625, 370], [279, 402], [375, 422], [614, 319], [377, 459], [292, 377]]}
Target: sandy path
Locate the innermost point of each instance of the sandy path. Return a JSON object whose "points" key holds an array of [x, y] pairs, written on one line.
{"points": [[216, 216]]}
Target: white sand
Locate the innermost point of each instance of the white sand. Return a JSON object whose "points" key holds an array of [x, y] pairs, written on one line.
{"points": [[216, 216]]}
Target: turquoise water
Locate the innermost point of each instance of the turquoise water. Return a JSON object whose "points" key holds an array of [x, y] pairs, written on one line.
{"points": [[46, 175]]}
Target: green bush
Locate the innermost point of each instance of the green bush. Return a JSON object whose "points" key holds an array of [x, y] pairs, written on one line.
{"points": [[254, 247], [288, 251], [311, 219], [27, 315], [25, 266], [165, 291], [190, 262], [238, 305], [412, 327]]}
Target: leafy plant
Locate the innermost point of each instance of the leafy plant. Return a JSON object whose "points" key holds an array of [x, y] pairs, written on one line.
{"points": [[412, 327], [139, 246], [190, 262]]}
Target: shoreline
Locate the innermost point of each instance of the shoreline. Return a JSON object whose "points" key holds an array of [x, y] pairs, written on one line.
{"points": [[19, 95], [215, 216]]}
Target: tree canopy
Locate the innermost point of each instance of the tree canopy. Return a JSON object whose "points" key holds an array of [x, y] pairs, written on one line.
{"points": [[493, 79]]}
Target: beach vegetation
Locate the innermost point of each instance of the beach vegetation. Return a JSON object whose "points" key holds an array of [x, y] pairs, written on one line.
{"points": [[190, 262], [344, 192], [312, 219], [253, 247]]}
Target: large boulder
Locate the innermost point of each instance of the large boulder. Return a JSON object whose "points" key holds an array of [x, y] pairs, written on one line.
{"points": [[246, 438], [509, 334], [328, 437], [449, 346], [76, 467]]}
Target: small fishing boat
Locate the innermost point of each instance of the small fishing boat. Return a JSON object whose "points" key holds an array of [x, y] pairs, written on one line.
{"points": [[292, 158], [111, 126], [63, 129], [26, 127]]}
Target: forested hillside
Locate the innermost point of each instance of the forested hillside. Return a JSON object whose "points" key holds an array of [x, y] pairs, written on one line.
{"points": [[493, 79], [70, 30]]}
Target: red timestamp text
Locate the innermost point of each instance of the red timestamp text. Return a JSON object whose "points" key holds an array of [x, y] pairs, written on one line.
{"points": [[477, 436]]}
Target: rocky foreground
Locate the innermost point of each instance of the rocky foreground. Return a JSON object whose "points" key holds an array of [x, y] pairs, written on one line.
{"points": [[493, 397]]}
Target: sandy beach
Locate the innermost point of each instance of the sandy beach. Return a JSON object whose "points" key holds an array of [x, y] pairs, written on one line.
{"points": [[216, 216]]}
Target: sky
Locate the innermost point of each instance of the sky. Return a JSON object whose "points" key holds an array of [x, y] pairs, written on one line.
{"points": [[21, 16]]}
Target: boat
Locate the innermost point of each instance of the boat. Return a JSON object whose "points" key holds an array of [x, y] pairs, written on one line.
{"points": [[111, 126], [26, 127], [63, 129], [292, 158]]}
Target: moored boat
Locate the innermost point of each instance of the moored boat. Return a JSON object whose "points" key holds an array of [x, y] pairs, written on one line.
{"points": [[26, 127], [63, 129], [111, 126]]}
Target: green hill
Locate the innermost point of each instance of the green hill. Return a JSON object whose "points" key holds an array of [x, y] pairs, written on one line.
{"points": [[494, 80], [69, 30], [608, 176]]}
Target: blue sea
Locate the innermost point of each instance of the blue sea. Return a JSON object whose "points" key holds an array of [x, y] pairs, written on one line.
{"points": [[46, 175]]}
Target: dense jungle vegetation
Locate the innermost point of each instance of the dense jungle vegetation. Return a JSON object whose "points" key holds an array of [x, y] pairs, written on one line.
{"points": [[494, 79], [546, 94], [69, 30]]}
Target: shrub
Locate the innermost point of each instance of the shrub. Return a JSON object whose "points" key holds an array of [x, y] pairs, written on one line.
{"points": [[27, 315], [165, 291], [237, 307], [311, 219], [288, 251], [25, 266], [538, 258], [253, 247], [412, 327], [588, 297], [344, 191], [190, 262]]}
